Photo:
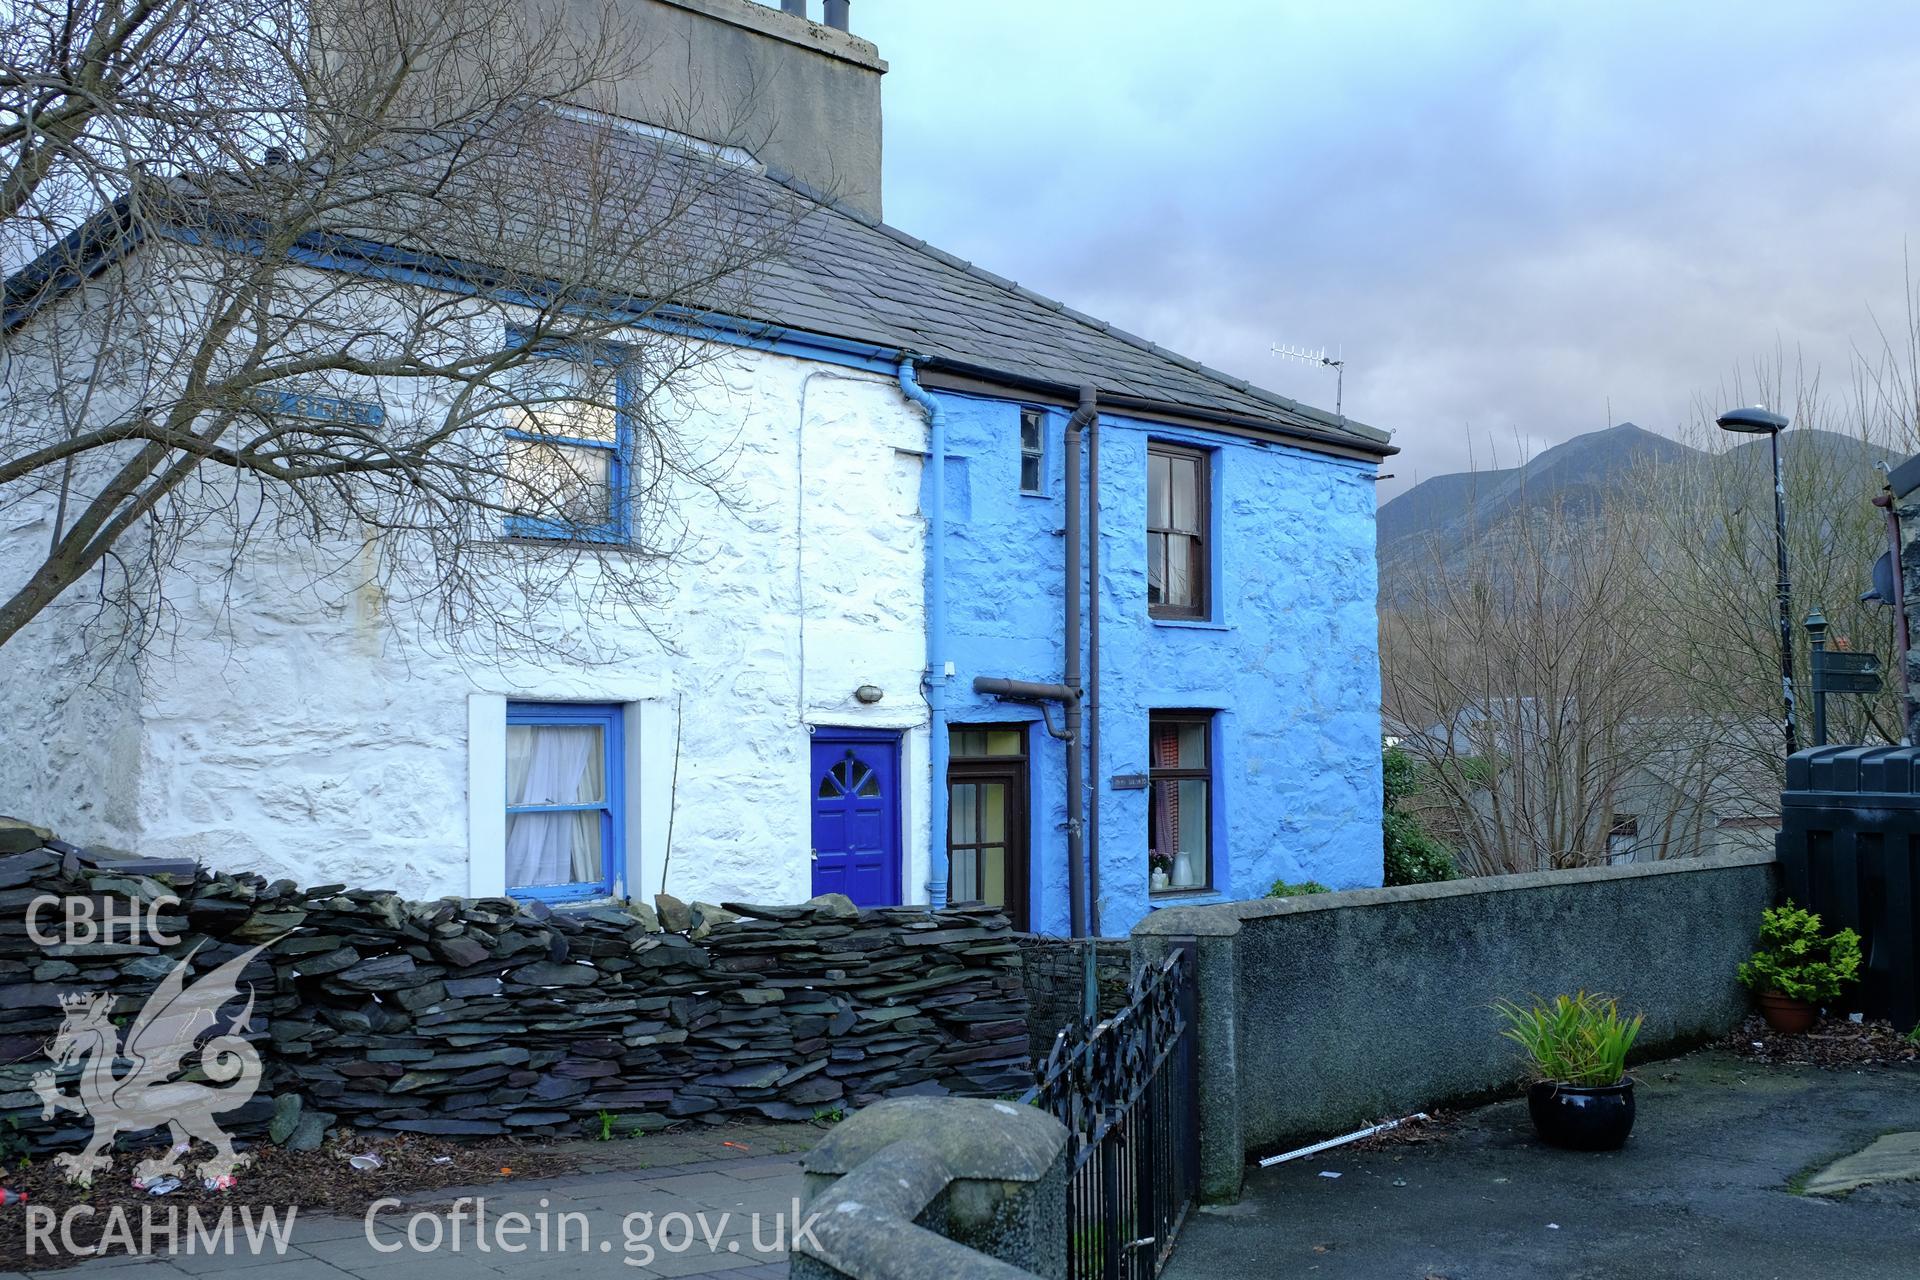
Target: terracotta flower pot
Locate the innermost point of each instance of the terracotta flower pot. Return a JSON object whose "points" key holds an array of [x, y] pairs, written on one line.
{"points": [[1788, 1015]]}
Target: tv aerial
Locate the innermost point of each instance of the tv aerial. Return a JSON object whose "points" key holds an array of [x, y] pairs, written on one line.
{"points": [[1319, 356]]}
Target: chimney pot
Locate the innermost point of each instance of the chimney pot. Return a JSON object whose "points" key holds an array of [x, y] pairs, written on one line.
{"points": [[837, 14], [796, 7]]}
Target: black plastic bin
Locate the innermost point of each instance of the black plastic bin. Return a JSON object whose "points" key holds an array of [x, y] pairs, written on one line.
{"points": [[1850, 849]]}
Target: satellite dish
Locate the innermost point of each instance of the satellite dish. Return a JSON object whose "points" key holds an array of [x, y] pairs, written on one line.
{"points": [[1882, 590]]}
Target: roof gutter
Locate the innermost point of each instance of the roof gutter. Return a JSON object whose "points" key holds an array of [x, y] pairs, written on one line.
{"points": [[1359, 441]]}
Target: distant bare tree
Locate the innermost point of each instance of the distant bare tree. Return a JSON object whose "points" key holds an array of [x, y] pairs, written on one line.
{"points": [[1519, 681], [298, 281], [1712, 549]]}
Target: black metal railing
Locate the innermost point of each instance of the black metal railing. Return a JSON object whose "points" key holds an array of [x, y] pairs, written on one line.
{"points": [[1123, 1086]]}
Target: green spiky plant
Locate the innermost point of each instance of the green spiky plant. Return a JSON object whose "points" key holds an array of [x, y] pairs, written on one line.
{"points": [[1578, 1040], [1797, 960]]}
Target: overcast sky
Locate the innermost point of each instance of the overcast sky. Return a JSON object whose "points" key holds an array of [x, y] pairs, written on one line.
{"points": [[1507, 216]]}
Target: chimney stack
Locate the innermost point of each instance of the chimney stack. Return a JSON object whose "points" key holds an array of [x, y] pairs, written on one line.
{"points": [[802, 96]]}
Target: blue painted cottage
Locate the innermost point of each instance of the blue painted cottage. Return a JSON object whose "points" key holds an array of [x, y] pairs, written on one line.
{"points": [[1231, 710]]}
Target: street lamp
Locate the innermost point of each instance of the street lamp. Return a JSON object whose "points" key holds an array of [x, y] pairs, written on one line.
{"points": [[1757, 421]]}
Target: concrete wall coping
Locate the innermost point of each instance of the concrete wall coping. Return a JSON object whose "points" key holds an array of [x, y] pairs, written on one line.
{"points": [[1224, 919], [977, 1138], [863, 1225], [764, 19]]}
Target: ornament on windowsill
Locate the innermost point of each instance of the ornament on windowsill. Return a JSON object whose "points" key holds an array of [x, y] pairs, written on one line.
{"points": [[1160, 864]]}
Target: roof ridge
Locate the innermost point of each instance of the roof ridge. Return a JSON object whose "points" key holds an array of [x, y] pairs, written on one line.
{"points": [[1314, 415]]}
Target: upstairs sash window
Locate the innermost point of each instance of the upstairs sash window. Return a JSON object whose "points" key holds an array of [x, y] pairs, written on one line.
{"points": [[1177, 551], [568, 445]]}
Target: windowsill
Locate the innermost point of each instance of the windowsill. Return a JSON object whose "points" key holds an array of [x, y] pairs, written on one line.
{"points": [[546, 540], [1029, 493], [566, 904], [1183, 897], [1191, 624]]}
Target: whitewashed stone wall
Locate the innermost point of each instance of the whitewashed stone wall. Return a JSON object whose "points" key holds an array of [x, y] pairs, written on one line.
{"points": [[298, 732]]}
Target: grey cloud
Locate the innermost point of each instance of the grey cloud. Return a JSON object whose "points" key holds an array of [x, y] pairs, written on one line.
{"points": [[1508, 216]]}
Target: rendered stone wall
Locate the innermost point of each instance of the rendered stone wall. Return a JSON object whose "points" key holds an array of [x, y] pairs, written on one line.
{"points": [[1322, 1013], [1290, 663], [467, 1016]]}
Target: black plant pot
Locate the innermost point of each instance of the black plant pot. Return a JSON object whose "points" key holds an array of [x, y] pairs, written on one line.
{"points": [[1582, 1119]]}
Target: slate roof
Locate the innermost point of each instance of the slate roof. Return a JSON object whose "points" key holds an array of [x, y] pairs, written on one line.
{"points": [[837, 272], [854, 277]]}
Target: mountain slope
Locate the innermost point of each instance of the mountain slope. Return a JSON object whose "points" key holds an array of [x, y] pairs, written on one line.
{"points": [[1430, 523]]}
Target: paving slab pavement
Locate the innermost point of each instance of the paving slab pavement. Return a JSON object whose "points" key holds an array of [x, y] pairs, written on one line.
{"points": [[710, 1202], [1711, 1186]]}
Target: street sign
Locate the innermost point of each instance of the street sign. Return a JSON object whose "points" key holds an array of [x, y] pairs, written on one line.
{"points": [[1838, 671]]}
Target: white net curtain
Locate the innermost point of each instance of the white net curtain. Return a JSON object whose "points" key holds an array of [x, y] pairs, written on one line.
{"points": [[551, 764]]}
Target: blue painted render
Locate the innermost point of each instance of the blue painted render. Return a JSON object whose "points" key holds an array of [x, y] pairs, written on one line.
{"points": [[1289, 661]]}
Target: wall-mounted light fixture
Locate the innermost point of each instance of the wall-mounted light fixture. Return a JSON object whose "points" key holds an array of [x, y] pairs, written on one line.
{"points": [[869, 694]]}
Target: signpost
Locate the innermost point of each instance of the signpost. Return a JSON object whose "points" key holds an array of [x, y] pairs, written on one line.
{"points": [[1836, 671]]}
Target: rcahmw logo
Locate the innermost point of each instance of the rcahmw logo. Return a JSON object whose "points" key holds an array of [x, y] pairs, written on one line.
{"points": [[155, 1049]]}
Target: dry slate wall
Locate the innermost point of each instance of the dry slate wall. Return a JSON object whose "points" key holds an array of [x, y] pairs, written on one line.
{"points": [[487, 1016]]}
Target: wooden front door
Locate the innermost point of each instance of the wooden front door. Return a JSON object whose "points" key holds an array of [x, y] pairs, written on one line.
{"points": [[987, 819]]}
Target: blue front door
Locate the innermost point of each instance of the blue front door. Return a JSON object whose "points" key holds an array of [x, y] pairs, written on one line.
{"points": [[856, 815]]}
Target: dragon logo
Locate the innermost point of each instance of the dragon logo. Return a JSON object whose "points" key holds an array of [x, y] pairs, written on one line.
{"points": [[145, 1095]]}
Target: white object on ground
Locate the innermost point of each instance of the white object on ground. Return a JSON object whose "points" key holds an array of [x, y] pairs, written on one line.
{"points": [[1328, 1173], [1342, 1141], [367, 1161]]}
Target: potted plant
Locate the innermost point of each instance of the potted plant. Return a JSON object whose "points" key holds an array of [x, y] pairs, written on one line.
{"points": [[1583, 1099], [1797, 968], [1160, 864]]}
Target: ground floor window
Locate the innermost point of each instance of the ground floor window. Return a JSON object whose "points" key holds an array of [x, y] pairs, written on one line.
{"points": [[1180, 776], [987, 817], [564, 800]]}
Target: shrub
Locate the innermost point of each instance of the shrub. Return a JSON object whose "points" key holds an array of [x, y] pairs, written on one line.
{"points": [[1797, 960], [1281, 889], [1413, 855], [1578, 1039]]}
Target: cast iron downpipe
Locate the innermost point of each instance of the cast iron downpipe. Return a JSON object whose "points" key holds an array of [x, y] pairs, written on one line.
{"points": [[936, 635], [1091, 398], [1072, 580]]}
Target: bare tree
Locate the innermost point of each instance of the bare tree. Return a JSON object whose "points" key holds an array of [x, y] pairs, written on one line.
{"points": [[1517, 677], [1712, 560], [375, 283]]}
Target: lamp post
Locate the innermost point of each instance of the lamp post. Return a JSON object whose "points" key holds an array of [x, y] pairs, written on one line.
{"points": [[1757, 421]]}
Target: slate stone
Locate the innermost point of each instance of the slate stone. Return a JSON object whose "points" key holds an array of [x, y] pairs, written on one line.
{"points": [[545, 973], [461, 952], [17, 836], [381, 973], [310, 1132], [286, 1118], [675, 915]]}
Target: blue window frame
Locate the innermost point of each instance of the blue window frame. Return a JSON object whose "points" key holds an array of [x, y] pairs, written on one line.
{"points": [[566, 801], [570, 448]]}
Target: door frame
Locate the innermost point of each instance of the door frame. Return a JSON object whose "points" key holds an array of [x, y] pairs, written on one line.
{"points": [[1017, 773], [892, 739]]}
